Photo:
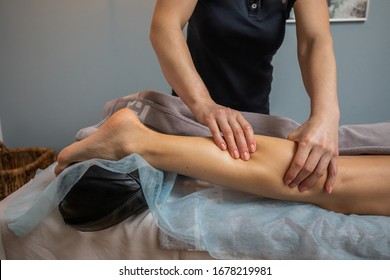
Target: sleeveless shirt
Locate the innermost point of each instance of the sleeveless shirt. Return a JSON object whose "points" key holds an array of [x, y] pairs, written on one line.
{"points": [[232, 43]]}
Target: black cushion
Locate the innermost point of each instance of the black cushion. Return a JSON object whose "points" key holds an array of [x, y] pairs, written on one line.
{"points": [[101, 199]]}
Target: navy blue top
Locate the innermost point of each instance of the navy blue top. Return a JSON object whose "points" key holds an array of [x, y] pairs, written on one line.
{"points": [[232, 43]]}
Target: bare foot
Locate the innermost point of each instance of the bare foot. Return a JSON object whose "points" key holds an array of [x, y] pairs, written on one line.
{"points": [[121, 135]]}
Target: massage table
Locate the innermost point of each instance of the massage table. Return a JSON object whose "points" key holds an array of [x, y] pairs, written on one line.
{"points": [[244, 226]]}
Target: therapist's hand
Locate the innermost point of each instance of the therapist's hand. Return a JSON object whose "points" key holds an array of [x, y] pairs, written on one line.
{"points": [[230, 130], [316, 155]]}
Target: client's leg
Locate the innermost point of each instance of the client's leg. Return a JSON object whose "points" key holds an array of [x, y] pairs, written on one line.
{"points": [[362, 185]]}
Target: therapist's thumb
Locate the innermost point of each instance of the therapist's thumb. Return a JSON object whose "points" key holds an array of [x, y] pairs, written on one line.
{"points": [[294, 135]]}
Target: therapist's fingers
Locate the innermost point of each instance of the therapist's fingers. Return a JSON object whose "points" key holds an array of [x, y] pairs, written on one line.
{"points": [[222, 133], [319, 170], [332, 174], [248, 132], [242, 133], [240, 140], [229, 137], [216, 133], [297, 164], [316, 154], [231, 131]]}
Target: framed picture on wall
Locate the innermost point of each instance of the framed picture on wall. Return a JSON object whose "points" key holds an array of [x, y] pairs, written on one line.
{"points": [[344, 10]]}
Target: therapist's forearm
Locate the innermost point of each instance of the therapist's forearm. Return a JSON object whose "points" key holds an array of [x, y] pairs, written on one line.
{"points": [[318, 67], [176, 63]]}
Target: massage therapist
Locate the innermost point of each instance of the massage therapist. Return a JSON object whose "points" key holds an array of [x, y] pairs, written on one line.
{"points": [[224, 66]]}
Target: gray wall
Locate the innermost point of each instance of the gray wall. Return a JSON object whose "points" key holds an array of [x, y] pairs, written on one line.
{"points": [[61, 60]]}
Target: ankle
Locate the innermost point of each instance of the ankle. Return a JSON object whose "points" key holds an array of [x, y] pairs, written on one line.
{"points": [[127, 132]]}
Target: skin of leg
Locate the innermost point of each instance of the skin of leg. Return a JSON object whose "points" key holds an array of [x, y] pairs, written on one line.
{"points": [[362, 185]]}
